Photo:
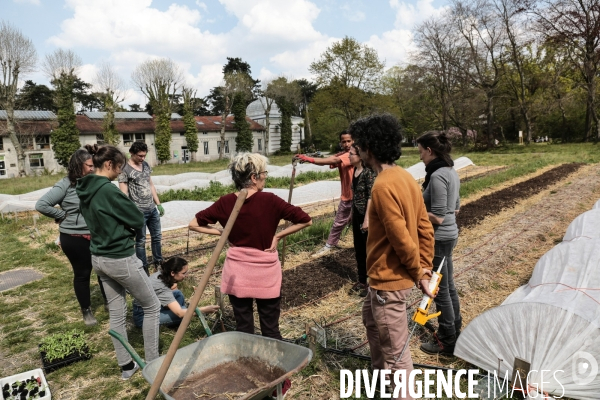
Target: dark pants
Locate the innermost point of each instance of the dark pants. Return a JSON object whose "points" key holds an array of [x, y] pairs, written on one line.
{"points": [[268, 313], [446, 301], [152, 222], [360, 245], [77, 250]]}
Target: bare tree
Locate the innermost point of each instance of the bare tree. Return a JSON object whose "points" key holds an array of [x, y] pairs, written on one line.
{"points": [[576, 25], [61, 62], [266, 101], [483, 37], [112, 88], [232, 84], [17, 57], [159, 80]]}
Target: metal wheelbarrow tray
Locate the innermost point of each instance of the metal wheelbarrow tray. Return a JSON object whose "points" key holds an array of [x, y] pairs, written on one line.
{"points": [[223, 366]]}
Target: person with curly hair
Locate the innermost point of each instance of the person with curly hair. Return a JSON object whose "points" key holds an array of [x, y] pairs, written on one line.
{"points": [[74, 236], [164, 282], [341, 161], [399, 245], [441, 194], [113, 220]]}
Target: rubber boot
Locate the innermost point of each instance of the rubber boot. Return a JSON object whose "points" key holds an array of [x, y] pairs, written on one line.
{"points": [[88, 316]]}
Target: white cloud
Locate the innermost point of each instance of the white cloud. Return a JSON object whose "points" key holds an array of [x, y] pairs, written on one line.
{"points": [[395, 45], [352, 12], [295, 63], [202, 5], [34, 2], [408, 15], [289, 20]]}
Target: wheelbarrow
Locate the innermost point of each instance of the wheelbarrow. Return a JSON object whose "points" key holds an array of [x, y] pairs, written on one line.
{"points": [[226, 366]]}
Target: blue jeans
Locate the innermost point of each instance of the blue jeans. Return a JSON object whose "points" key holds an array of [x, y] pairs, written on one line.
{"points": [[447, 301], [166, 317], [152, 221]]}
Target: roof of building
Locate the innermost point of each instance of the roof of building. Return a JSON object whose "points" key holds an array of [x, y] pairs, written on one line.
{"points": [[258, 106], [119, 115], [30, 127], [89, 126], [213, 123], [30, 115]]}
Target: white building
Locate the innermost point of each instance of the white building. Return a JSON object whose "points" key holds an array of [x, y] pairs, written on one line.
{"points": [[256, 111]]}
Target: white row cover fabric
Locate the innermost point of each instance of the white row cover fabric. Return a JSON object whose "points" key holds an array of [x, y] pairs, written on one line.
{"points": [[597, 205], [313, 192], [586, 225], [553, 322]]}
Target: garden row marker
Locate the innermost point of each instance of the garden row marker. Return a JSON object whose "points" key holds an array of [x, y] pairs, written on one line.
{"points": [[294, 163], [162, 372]]}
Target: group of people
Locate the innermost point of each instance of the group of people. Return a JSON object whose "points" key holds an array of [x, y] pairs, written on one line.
{"points": [[411, 230], [401, 231]]}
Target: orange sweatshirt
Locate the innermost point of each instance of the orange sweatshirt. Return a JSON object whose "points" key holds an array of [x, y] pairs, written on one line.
{"points": [[400, 241]]}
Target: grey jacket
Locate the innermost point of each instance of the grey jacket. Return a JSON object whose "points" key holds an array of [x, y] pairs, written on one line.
{"points": [[442, 199], [63, 194]]}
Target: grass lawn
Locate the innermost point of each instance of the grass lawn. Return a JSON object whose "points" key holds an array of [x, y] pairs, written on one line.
{"points": [[32, 311]]}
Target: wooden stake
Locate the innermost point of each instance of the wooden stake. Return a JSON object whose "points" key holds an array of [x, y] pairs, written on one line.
{"points": [[162, 372]]}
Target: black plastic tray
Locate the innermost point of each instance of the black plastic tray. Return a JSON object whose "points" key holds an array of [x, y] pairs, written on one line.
{"points": [[70, 359]]}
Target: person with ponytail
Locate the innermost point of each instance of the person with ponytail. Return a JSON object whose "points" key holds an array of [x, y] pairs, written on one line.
{"points": [[74, 232], [441, 194], [113, 220], [164, 282]]}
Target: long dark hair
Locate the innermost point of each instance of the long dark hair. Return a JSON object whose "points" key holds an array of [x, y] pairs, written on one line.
{"points": [[439, 143], [101, 154], [75, 167], [173, 264]]}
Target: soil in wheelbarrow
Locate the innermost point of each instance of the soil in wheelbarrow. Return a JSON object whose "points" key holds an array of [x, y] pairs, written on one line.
{"points": [[227, 381]]}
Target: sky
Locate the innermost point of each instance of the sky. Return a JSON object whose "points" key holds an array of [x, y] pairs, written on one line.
{"points": [[276, 37]]}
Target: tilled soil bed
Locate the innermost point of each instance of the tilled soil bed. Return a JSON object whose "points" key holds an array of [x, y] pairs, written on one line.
{"points": [[315, 279], [473, 213]]}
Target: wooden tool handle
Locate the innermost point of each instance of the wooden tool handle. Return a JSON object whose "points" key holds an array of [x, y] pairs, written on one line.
{"points": [[162, 372]]}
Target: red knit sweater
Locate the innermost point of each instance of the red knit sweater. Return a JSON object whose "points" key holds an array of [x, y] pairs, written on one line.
{"points": [[257, 222]]}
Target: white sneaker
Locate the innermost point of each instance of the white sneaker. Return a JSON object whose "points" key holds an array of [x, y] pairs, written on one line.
{"points": [[326, 249], [125, 375]]}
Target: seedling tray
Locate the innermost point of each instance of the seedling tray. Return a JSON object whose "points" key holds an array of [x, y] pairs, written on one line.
{"points": [[36, 373], [70, 359]]}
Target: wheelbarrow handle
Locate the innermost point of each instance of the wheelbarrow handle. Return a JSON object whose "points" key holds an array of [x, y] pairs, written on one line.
{"points": [[128, 347], [162, 372]]}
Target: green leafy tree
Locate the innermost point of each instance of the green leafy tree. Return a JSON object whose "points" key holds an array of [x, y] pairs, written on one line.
{"points": [[35, 97], [288, 96], [159, 81], [191, 132], [61, 67], [244, 139]]}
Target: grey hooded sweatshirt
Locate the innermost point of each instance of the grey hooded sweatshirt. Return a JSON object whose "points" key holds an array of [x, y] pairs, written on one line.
{"points": [[63, 194]]}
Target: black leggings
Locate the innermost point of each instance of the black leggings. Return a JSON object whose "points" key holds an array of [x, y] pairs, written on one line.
{"points": [[360, 245], [77, 250], [268, 315]]}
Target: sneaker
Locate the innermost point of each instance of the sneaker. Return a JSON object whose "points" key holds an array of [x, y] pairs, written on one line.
{"points": [[287, 384], [88, 316], [125, 375], [324, 250]]}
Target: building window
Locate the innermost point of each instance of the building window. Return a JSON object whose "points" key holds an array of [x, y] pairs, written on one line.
{"points": [[26, 141], [205, 144], [36, 160], [42, 142], [259, 144], [1, 144], [227, 147], [100, 139], [129, 138], [218, 147], [205, 133]]}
